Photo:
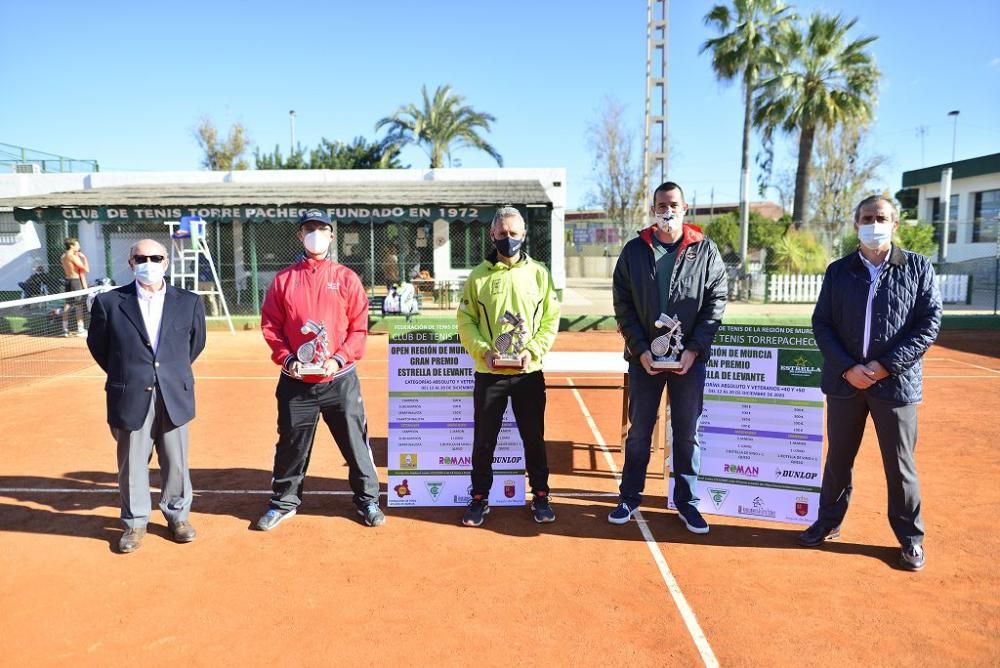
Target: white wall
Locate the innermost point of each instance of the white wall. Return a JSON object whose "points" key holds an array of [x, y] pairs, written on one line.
{"points": [[962, 248]]}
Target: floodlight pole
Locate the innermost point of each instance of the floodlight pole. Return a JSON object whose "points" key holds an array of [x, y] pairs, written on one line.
{"points": [[291, 119], [954, 131]]}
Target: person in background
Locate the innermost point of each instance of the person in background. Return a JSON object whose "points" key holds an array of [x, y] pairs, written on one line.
{"points": [[75, 268]]}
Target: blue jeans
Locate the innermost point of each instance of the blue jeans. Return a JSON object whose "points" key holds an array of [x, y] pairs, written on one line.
{"points": [[687, 395]]}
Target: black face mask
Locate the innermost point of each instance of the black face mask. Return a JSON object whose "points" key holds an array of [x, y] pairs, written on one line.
{"points": [[507, 246]]}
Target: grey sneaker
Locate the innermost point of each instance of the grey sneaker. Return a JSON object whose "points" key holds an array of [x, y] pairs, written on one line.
{"points": [[374, 517], [272, 518], [541, 509], [911, 557], [478, 508]]}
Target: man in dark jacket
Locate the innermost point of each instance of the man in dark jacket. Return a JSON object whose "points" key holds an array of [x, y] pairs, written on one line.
{"points": [[878, 312], [673, 269], [145, 335]]}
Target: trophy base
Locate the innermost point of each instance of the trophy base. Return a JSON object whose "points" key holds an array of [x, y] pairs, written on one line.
{"points": [[507, 363], [311, 370], [665, 364]]}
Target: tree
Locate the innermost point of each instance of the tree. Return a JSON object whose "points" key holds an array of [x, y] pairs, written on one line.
{"points": [[746, 33], [443, 125], [359, 154], [617, 172], [916, 237], [843, 169], [222, 155], [815, 79]]}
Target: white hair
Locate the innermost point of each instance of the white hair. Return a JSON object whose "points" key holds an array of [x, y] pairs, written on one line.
{"points": [[506, 212], [131, 250]]}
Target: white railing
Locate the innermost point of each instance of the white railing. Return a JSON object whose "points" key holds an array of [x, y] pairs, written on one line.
{"points": [[804, 288]]}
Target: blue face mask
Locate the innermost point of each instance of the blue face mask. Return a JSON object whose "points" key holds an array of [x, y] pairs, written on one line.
{"points": [[507, 246]]}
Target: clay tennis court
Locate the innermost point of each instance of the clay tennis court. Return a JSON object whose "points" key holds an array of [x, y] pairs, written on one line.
{"points": [[324, 590]]}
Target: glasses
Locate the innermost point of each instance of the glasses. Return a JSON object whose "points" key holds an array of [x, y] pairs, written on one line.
{"points": [[143, 259]]}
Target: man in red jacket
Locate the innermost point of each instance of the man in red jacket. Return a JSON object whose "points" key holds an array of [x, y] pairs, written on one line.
{"points": [[318, 289]]}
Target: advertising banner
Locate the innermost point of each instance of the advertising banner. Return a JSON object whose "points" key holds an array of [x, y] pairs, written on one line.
{"points": [[430, 421], [761, 429]]}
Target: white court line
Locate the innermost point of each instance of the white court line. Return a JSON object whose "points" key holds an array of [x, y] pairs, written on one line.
{"points": [[976, 366], [687, 614]]}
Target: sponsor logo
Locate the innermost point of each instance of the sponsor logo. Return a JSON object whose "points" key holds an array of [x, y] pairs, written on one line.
{"points": [[408, 460], [463, 499], [402, 489], [690, 255], [718, 497], [799, 367], [449, 460], [496, 287], [506, 460], [333, 285], [758, 509], [434, 489], [742, 469], [508, 489], [801, 506], [797, 475]]}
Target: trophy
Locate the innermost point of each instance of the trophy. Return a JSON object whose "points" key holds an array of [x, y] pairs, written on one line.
{"points": [[667, 347], [312, 354], [508, 345]]}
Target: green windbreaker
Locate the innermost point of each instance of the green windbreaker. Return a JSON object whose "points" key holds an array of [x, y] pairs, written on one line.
{"points": [[492, 288]]}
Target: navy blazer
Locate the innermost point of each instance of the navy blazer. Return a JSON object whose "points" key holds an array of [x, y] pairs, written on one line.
{"points": [[118, 341]]}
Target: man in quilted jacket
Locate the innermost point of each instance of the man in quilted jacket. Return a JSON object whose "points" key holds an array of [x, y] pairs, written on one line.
{"points": [[879, 310]]}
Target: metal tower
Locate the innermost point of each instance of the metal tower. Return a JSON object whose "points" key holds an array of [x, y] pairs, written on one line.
{"points": [[655, 146]]}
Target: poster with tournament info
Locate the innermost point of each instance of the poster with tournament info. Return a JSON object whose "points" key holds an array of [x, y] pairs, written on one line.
{"points": [[431, 422], [761, 430]]}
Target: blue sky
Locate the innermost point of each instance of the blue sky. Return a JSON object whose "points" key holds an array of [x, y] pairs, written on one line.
{"points": [[125, 83]]}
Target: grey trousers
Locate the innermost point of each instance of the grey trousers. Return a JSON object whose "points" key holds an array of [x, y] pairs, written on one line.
{"points": [[135, 450], [896, 428]]}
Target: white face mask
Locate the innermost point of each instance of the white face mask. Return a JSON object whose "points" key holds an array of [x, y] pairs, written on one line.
{"points": [[875, 236], [317, 243], [669, 221], [149, 273]]}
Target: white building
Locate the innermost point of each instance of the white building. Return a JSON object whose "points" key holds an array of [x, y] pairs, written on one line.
{"points": [[434, 220], [974, 206]]}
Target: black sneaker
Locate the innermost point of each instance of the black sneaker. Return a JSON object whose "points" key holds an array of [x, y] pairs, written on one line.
{"points": [[478, 508], [272, 518], [912, 557], [692, 519], [541, 509], [374, 517], [817, 534]]}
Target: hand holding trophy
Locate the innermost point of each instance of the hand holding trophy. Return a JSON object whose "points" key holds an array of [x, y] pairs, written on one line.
{"points": [[509, 345], [313, 354], [667, 348]]}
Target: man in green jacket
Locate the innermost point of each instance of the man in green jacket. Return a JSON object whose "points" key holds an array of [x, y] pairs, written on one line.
{"points": [[508, 296]]}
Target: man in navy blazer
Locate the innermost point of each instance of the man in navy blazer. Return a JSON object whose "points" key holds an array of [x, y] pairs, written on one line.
{"points": [[145, 335]]}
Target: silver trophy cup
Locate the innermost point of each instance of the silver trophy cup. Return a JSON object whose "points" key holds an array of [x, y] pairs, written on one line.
{"points": [[509, 344], [667, 347], [313, 354]]}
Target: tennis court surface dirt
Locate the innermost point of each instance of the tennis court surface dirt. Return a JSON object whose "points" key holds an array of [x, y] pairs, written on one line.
{"points": [[322, 589]]}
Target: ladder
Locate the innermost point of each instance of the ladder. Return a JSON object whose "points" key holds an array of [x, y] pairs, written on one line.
{"points": [[189, 254]]}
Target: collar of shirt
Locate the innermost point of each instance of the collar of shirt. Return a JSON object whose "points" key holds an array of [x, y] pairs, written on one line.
{"points": [[874, 269], [150, 295]]}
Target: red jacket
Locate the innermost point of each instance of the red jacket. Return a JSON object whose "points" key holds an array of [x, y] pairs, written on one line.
{"points": [[318, 290]]}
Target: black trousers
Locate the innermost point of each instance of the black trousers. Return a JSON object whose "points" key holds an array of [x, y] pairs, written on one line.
{"points": [[896, 428], [527, 397], [299, 408]]}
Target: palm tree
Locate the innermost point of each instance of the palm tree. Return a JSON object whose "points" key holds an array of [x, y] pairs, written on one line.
{"points": [[443, 125], [817, 79], [745, 33]]}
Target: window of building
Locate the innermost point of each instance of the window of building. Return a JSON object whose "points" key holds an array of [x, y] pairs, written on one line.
{"points": [[986, 216], [937, 220]]}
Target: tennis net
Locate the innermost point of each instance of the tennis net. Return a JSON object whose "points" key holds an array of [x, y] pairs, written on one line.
{"points": [[42, 337]]}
